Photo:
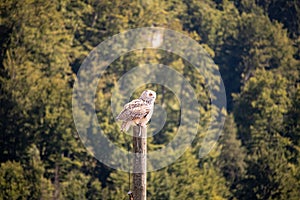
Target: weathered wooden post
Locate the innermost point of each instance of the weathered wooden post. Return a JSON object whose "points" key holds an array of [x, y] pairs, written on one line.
{"points": [[140, 141], [140, 163]]}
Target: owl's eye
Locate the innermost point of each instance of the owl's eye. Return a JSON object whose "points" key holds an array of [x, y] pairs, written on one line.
{"points": [[150, 94]]}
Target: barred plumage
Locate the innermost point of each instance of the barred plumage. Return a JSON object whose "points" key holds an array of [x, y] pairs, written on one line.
{"points": [[138, 111]]}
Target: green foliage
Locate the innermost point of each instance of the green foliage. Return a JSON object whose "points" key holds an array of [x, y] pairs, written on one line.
{"points": [[39, 186], [268, 167], [263, 107], [75, 186], [94, 190], [286, 12], [43, 44], [231, 160], [185, 179], [13, 184]]}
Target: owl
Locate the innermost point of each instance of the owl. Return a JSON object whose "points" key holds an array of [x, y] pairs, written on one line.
{"points": [[138, 111]]}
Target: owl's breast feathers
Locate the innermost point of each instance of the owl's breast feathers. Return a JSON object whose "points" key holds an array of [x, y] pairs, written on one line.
{"points": [[135, 111]]}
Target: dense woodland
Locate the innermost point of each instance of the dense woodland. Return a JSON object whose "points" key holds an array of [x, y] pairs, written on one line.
{"points": [[256, 46]]}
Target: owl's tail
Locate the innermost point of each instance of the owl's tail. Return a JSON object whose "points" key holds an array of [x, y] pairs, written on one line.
{"points": [[125, 126]]}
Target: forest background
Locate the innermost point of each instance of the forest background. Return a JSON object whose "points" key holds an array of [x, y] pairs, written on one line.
{"points": [[254, 43]]}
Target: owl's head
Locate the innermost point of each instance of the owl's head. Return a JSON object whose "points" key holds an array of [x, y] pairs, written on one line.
{"points": [[148, 96]]}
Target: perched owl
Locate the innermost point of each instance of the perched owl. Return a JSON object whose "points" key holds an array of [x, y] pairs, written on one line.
{"points": [[138, 111]]}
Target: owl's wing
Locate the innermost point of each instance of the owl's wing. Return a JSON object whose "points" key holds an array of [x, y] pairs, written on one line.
{"points": [[136, 109]]}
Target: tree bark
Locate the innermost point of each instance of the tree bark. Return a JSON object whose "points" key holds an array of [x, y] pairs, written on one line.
{"points": [[139, 163], [56, 182]]}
